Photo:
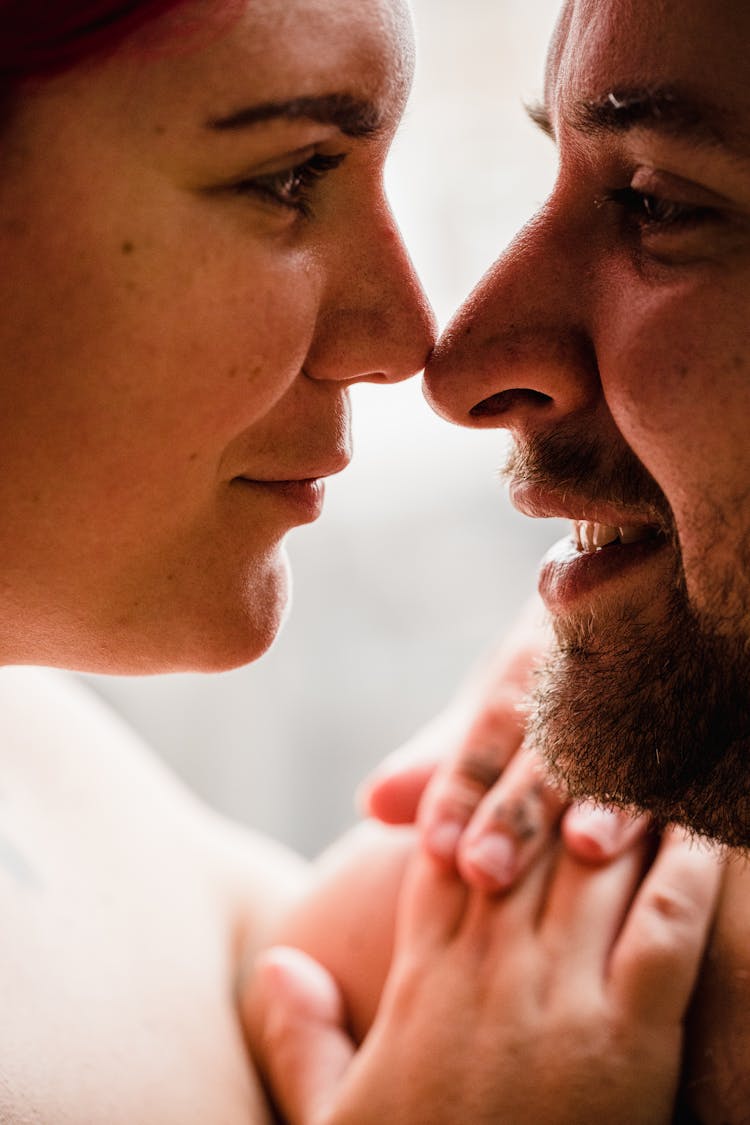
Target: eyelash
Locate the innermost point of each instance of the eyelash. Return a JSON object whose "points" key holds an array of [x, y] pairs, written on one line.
{"points": [[291, 188], [652, 214]]}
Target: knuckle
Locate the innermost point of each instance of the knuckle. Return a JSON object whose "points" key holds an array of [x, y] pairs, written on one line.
{"points": [[520, 816], [450, 802], [670, 927], [452, 799], [499, 715], [672, 906], [479, 768]]}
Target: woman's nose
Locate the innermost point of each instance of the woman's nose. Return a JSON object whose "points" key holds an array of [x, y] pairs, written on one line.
{"points": [[518, 354], [376, 324]]}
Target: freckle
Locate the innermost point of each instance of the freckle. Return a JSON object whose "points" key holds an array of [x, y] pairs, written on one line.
{"points": [[193, 457], [127, 247], [159, 130], [739, 362], [233, 372]]}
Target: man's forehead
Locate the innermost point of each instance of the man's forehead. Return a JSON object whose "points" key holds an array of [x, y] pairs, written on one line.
{"points": [[604, 46]]}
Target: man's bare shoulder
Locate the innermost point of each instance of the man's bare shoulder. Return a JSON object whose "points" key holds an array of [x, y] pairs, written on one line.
{"points": [[718, 1075]]}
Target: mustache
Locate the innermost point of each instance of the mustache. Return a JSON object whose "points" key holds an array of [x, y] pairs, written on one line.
{"points": [[565, 462]]}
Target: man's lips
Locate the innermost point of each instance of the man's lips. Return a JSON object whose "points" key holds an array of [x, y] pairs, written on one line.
{"points": [[607, 541], [544, 503]]}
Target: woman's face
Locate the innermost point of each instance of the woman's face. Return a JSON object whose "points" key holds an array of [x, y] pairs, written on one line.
{"points": [[198, 260]]}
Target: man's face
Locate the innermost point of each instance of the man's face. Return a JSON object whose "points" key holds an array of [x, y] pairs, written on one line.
{"points": [[613, 340]]}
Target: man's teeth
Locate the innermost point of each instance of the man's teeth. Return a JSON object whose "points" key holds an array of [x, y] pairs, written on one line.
{"points": [[589, 536]]}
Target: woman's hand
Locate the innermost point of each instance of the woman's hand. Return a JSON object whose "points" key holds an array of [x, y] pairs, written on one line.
{"points": [[483, 800], [559, 1002]]}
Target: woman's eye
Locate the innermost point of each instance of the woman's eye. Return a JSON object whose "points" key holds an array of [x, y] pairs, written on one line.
{"points": [[291, 187], [651, 213]]}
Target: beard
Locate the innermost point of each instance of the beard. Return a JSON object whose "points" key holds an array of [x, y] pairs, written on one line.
{"points": [[647, 709]]}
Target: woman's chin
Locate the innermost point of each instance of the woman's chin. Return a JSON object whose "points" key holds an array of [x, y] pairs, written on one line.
{"points": [[221, 637], [222, 627]]}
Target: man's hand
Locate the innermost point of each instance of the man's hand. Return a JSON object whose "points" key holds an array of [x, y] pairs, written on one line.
{"points": [[559, 1002], [482, 800]]}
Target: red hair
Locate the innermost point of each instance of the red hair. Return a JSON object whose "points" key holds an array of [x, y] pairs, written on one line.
{"points": [[39, 37]]}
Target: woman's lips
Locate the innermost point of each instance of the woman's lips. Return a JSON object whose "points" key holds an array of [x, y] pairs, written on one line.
{"points": [[570, 573], [304, 497]]}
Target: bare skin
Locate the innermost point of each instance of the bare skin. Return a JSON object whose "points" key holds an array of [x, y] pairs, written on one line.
{"points": [[715, 1084], [158, 443], [125, 906], [132, 915]]}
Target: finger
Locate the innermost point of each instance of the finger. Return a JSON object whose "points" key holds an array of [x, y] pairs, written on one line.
{"points": [[511, 825], [392, 794], [656, 959], [432, 906], [583, 913], [393, 790], [474, 751], [596, 833], [304, 1048], [509, 920], [458, 787]]}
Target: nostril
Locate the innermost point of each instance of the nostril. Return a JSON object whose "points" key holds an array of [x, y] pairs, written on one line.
{"points": [[505, 401]]}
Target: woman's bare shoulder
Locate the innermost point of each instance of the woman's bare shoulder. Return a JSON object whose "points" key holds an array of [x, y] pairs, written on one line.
{"points": [[89, 770], [346, 917], [53, 725]]}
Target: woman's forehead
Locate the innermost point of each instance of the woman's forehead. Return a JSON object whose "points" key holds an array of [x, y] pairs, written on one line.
{"points": [[260, 51]]}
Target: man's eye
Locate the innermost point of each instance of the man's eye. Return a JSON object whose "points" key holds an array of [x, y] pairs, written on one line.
{"points": [[650, 213], [292, 187]]}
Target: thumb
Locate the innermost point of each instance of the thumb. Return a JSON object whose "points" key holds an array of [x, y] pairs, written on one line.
{"points": [[300, 1033], [393, 792]]}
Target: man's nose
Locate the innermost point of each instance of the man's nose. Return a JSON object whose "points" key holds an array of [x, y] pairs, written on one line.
{"points": [[518, 354], [376, 324]]}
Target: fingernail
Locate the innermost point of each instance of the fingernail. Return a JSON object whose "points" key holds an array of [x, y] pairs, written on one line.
{"points": [[601, 828], [495, 855], [442, 838]]}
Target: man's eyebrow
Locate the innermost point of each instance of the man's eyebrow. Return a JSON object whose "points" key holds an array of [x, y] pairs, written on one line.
{"points": [[539, 114], [663, 110], [355, 117], [660, 109]]}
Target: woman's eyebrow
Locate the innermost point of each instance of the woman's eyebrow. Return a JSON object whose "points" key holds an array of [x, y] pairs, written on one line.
{"points": [[353, 116]]}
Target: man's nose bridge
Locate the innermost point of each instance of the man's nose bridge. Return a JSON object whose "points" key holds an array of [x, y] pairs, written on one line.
{"points": [[541, 288], [522, 344]]}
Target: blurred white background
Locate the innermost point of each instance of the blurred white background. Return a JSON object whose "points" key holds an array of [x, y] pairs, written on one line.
{"points": [[419, 560]]}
